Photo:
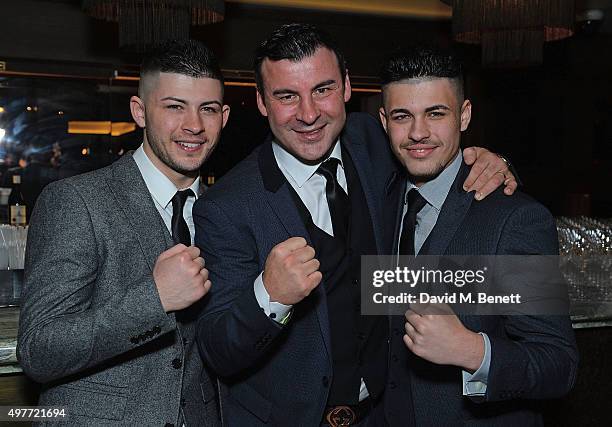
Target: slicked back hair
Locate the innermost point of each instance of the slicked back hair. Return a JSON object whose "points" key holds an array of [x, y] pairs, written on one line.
{"points": [[423, 63], [187, 57], [294, 42]]}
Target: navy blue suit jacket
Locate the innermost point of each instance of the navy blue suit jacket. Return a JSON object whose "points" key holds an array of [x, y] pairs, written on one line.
{"points": [[271, 374], [532, 357]]}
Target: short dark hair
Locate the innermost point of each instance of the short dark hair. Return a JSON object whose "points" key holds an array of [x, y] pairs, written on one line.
{"points": [[423, 62], [294, 42], [187, 57]]}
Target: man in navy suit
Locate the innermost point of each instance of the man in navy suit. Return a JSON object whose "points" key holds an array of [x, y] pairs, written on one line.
{"points": [[448, 369], [282, 328]]}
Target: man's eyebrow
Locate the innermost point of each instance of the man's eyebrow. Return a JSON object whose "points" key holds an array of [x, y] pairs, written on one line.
{"points": [[211, 102], [325, 83], [284, 92], [436, 107], [173, 98], [293, 92], [399, 110]]}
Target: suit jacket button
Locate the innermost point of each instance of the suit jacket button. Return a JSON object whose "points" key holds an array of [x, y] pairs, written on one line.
{"points": [[134, 340], [177, 363], [325, 382], [394, 358], [392, 385], [157, 330]]}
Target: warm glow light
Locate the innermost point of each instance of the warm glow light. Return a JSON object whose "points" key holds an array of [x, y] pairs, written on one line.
{"points": [[95, 128], [29, 108], [100, 128], [1, 109], [121, 128], [85, 151], [2, 133]]}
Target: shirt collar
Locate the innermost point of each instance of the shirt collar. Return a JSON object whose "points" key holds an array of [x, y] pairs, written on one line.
{"points": [[436, 190], [301, 172], [159, 185]]}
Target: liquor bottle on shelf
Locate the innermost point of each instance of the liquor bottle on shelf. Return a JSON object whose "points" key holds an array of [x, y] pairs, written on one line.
{"points": [[17, 206]]}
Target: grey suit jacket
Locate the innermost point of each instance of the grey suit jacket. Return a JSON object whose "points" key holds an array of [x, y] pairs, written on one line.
{"points": [[92, 327]]}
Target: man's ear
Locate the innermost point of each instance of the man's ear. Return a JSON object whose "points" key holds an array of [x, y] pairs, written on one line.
{"points": [[466, 114], [137, 107], [347, 88], [261, 104], [383, 117], [225, 112]]}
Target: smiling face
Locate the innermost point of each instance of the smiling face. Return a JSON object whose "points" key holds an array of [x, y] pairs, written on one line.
{"points": [[182, 117], [304, 102], [424, 120]]}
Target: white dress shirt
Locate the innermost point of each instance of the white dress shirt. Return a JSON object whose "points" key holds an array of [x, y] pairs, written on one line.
{"points": [[163, 190]]}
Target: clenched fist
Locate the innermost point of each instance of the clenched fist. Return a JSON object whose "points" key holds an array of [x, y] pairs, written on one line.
{"points": [[180, 277], [436, 334], [291, 271]]}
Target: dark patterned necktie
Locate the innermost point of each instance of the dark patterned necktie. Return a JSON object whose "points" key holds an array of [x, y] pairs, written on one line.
{"points": [[415, 204], [337, 199], [180, 230]]}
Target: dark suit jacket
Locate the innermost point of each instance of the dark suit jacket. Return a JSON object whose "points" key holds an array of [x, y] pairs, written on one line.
{"points": [[92, 327], [272, 375], [532, 357]]}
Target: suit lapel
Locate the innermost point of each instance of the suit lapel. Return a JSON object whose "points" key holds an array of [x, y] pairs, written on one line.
{"points": [[280, 200], [451, 216], [134, 199], [357, 149]]}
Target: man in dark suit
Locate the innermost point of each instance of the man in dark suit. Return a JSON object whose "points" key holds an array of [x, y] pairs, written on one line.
{"points": [[282, 328], [449, 369], [113, 284]]}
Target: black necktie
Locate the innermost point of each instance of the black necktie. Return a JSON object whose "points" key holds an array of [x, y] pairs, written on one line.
{"points": [[180, 231], [337, 199], [415, 204]]}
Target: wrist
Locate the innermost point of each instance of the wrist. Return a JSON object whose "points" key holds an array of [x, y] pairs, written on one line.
{"points": [[471, 353]]}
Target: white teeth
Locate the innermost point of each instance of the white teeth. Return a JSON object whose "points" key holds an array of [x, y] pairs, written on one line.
{"points": [[188, 145]]}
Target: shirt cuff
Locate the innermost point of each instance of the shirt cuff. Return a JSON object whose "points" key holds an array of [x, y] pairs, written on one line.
{"points": [[274, 310], [476, 384]]}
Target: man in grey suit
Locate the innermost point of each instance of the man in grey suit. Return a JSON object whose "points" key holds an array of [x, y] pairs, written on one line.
{"points": [[448, 369], [113, 284], [282, 328]]}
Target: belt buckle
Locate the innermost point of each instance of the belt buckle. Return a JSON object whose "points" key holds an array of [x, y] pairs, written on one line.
{"points": [[341, 416]]}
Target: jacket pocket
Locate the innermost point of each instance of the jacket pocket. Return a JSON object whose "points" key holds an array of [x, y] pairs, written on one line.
{"points": [[90, 400]]}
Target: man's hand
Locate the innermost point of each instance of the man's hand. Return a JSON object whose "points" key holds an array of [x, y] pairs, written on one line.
{"points": [[180, 277], [291, 271], [488, 172], [437, 335]]}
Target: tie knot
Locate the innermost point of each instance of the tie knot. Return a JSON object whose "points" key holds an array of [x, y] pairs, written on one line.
{"points": [[179, 199], [329, 168], [416, 202]]}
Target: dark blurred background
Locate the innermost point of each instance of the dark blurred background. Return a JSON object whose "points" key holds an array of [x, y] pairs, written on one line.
{"points": [[551, 120]]}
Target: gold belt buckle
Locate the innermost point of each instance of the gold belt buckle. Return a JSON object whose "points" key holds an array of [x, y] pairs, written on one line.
{"points": [[341, 416]]}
